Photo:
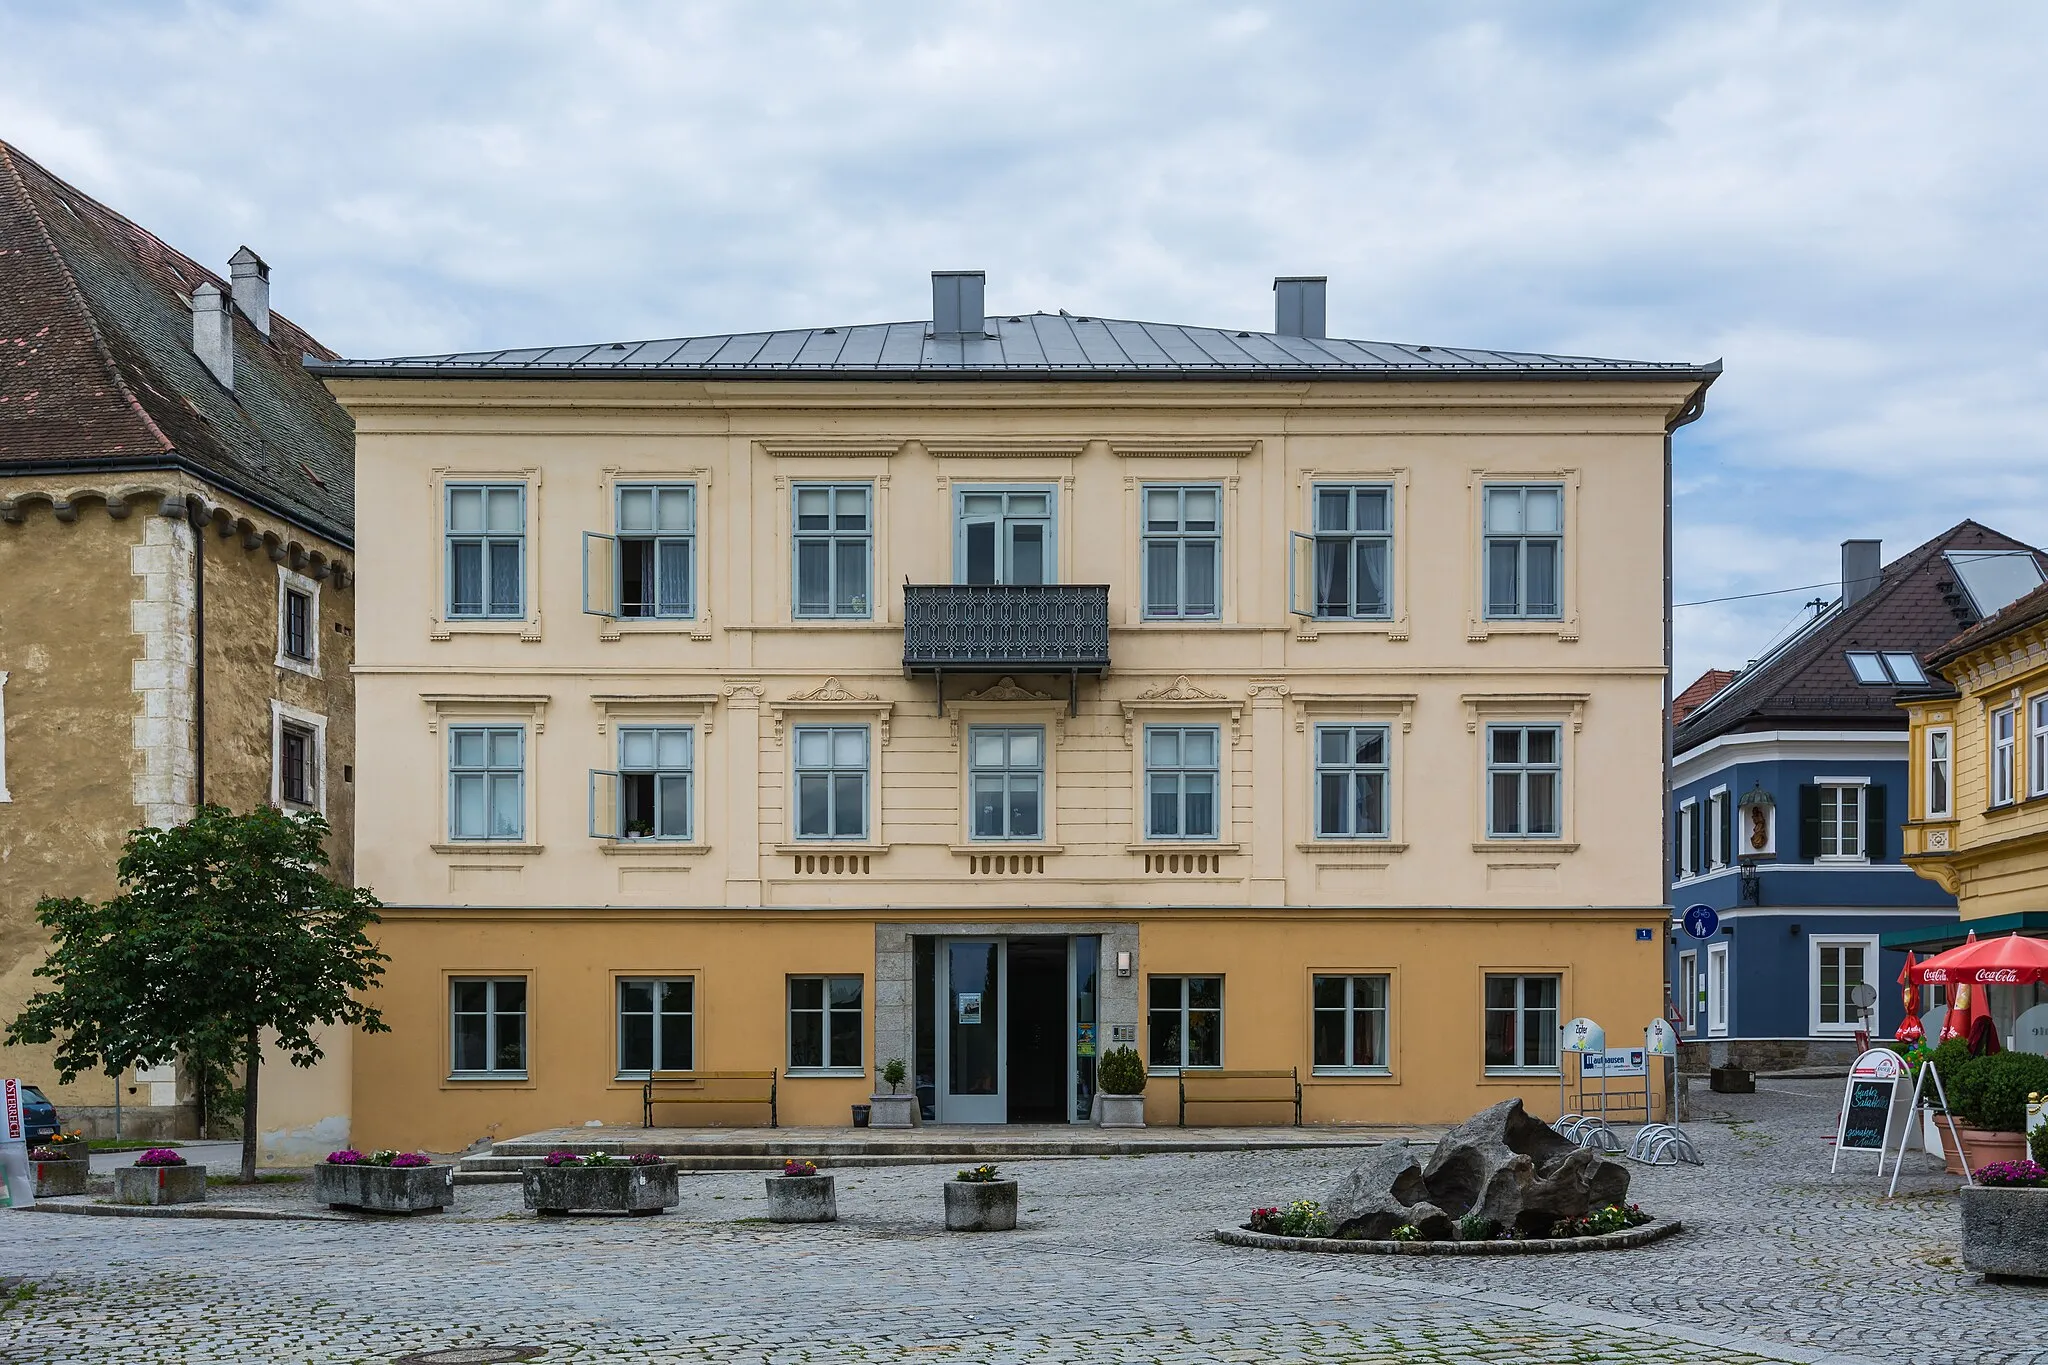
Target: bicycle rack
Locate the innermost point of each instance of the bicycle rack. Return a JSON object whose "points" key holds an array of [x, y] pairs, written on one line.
{"points": [[1663, 1144], [1589, 1131]]}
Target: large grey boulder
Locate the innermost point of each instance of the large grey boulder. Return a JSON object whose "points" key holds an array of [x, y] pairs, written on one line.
{"points": [[1500, 1163], [1381, 1193], [1520, 1172]]}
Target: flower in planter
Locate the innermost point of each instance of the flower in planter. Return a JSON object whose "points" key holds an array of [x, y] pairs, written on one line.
{"points": [[347, 1156], [643, 1159], [600, 1159], [553, 1159], [1265, 1220], [1305, 1218], [1407, 1232], [160, 1156], [44, 1154], [2011, 1175], [980, 1175], [407, 1160], [796, 1167]]}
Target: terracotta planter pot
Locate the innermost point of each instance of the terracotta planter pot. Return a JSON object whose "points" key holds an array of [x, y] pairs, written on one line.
{"points": [[1981, 1147]]}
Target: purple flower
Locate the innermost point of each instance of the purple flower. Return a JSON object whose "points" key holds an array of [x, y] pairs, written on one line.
{"points": [[643, 1159], [159, 1156], [2021, 1173], [347, 1156], [562, 1159], [411, 1159]]}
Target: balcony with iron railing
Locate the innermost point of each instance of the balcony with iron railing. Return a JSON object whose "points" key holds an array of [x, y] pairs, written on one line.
{"points": [[1005, 628]]}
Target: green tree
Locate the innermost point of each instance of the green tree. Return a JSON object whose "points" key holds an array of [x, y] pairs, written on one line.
{"points": [[225, 926]]}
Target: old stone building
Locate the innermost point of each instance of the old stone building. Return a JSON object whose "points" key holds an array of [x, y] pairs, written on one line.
{"points": [[176, 613]]}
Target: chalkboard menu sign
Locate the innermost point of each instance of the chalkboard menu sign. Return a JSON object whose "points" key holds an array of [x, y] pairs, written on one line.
{"points": [[1868, 1115]]}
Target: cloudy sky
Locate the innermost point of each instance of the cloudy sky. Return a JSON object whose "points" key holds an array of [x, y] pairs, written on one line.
{"points": [[1844, 202]]}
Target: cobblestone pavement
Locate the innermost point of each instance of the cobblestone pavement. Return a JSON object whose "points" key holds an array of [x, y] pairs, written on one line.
{"points": [[1112, 1264]]}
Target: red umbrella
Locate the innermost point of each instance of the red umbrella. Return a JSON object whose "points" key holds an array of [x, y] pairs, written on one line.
{"points": [[1910, 1028], [2009, 961]]}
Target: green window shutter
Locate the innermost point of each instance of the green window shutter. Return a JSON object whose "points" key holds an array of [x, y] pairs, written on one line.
{"points": [[1699, 839], [1728, 826], [1809, 822], [1677, 843], [1874, 823]]}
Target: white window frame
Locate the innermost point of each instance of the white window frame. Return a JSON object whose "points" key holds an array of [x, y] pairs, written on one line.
{"points": [[1814, 944], [1184, 1010], [1842, 786], [288, 583], [1350, 1010], [488, 771], [1943, 763], [1522, 1010], [1718, 989], [1688, 819], [831, 770], [1181, 538], [828, 1064], [5, 795], [316, 781], [1219, 792], [1687, 990], [485, 538], [658, 997], [2004, 755], [492, 1014], [2037, 744], [1353, 773], [833, 537], [1719, 822]]}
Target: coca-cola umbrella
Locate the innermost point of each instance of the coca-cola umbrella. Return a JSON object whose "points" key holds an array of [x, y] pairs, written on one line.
{"points": [[2010, 961]]}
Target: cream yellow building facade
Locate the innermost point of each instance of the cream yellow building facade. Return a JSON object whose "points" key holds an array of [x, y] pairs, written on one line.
{"points": [[993, 691]]}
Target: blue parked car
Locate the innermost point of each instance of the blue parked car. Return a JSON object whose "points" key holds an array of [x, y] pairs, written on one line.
{"points": [[38, 1116]]}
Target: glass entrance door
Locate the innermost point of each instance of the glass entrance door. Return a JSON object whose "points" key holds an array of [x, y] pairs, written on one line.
{"points": [[972, 1028]]}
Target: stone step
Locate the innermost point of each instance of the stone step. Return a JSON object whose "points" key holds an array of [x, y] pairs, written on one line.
{"points": [[485, 1170], [943, 1147]]}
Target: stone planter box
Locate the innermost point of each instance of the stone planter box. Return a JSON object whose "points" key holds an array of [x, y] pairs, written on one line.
{"points": [[981, 1205], [2005, 1232], [385, 1189], [159, 1184], [1121, 1111], [71, 1149], [893, 1111], [1982, 1147], [617, 1189], [60, 1177], [1731, 1080], [802, 1199]]}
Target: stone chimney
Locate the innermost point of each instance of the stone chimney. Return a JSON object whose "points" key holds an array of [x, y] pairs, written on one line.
{"points": [[213, 332], [1299, 305], [252, 288], [1862, 568]]}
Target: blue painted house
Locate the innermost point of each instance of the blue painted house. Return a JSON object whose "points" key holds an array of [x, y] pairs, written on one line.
{"points": [[1788, 786]]}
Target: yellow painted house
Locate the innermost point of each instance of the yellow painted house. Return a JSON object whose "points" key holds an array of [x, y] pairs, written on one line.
{"points": [[1979, 823], [991, 691]]}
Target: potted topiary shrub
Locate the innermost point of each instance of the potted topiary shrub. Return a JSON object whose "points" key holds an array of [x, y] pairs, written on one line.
{"points": [[895, 1109], [801, 1195], [563, 1182], [1990, 1100], [384, 1182], [1120, 1075], [160, 1176], [2005, 1219], [980, 1200], [56, 1174]]}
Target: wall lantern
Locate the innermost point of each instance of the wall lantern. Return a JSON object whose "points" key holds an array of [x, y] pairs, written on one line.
{"points": [[1123, 962]]}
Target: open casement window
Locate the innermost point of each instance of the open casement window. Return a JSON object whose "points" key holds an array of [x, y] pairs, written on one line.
{"points": [[1005, 536], [649, 796], [1340, 573], [647, 568]]}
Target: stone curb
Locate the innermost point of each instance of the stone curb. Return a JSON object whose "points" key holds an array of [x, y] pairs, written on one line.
{"points": [[228, 1211], [1535, 1246]]}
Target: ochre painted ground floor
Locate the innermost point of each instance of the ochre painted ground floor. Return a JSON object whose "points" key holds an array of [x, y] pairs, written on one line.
{"points": [[506, 1021]]}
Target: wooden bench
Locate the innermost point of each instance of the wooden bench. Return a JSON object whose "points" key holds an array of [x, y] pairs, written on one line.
{"points": [[696, 1095], [1291, 1076]]}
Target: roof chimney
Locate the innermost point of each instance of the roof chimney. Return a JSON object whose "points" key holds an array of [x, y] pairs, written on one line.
{"points": [[1298, 305], [956, 302], [213, 332], [252, 288], [1862, 567]]}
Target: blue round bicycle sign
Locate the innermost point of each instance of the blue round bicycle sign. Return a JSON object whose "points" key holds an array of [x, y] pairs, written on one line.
{"points": [[1701, 921]]}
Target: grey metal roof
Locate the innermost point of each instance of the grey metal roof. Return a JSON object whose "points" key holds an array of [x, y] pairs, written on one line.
{"points": [[1028, 345]]}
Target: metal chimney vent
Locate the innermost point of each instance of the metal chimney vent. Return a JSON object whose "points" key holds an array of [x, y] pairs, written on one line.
{"points": [[1299, 307], [1862, 568], [213, 332], [956, 302]]}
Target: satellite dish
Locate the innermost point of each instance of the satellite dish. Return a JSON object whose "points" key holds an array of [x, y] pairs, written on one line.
{"points": [[1863, 995]]}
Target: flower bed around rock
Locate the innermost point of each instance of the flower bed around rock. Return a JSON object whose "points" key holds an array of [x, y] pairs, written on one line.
{"points": [[1642, 1235]]}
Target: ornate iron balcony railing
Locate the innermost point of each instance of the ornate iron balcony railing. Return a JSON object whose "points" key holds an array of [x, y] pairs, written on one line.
{"points": [[969, 628]]}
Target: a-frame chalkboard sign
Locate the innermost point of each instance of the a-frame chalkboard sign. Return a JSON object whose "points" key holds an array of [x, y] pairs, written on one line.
{"points": [[1873, 1106], [1914, 1108]]}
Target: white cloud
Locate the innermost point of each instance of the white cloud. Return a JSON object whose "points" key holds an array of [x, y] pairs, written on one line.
{"points": [[1843, 200]]}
